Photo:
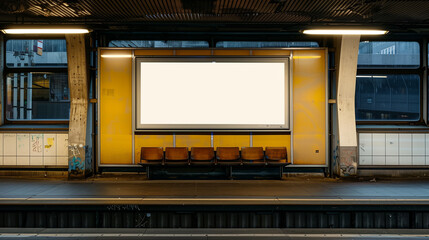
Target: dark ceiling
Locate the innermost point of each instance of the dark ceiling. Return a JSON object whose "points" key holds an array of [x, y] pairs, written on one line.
{"points": [[283, 15]]}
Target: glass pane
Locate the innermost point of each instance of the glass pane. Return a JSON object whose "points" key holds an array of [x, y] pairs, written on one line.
{"points": [[36, 53], [37, 96], [389, 55], [388, 97], [254, 44], [158, 44]]}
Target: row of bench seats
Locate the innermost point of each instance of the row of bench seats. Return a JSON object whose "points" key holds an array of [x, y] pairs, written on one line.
{"points": [[226, 156]]}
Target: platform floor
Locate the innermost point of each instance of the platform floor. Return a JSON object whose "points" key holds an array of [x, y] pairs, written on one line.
{"points": [[212, 234], [289, 191]]}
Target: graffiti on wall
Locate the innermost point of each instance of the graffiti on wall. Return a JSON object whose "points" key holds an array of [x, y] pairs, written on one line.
{"points": [[76, 164], [348, 161]]}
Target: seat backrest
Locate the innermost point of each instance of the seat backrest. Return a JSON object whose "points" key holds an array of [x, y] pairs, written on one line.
{"points": [[227, 153], [152, 153], [276, 153], [176, 153], [202, 153], [252, 153]]}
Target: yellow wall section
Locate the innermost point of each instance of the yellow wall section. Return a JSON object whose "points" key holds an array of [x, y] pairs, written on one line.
{"points": [[272, 140], [309, 107], [193, 52], [192, 140], [115, 108], [309, 73], [237, 140], [153, 52], [231, 52], [271, 52]]}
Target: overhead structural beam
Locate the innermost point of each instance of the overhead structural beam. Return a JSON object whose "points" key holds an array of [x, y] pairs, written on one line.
{"points": [[347, 56], [78, 85]]}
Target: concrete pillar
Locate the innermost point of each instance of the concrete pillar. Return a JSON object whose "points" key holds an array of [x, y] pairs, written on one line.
{"points": [[347, 47], [79, 164]]}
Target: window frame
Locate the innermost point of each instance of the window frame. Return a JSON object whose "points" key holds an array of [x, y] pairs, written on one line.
{"points": [[8, 70], [267, 41], [192, 40], [395, 71]]}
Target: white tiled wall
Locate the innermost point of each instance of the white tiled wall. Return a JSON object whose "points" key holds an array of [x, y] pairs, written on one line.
{"points": [[33, 149], [393, 149]]}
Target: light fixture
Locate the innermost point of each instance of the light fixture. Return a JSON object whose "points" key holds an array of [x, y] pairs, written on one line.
{"points": [[345, 32], [306, 57], [116, 56], [44, 31], [370, 76]]}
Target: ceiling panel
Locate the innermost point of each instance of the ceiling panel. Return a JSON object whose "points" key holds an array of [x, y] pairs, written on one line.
{"points": [[216, 11]]}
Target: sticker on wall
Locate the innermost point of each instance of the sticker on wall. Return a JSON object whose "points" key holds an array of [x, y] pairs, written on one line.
{"points": [[50, 148]]}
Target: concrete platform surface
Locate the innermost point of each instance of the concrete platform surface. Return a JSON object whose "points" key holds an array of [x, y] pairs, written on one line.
{"points": [[137, 190], [194, 234]]}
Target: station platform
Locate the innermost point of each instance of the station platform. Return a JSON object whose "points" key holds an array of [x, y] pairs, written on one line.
{"points": [[132, 201], [136, 190], [214, 234]]}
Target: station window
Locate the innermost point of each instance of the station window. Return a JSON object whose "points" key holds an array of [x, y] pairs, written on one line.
{"points": [[259, 44], [389, 55], [36, 80], [388, 82], [36, 53], [388, 97], [158, 44]]}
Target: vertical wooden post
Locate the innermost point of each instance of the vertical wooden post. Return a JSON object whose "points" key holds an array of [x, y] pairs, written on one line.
{"points": [[78, 85], [347, 57]]}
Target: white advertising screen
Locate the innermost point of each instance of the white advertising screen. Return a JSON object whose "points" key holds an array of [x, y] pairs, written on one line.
{"points": [[215, 94]]}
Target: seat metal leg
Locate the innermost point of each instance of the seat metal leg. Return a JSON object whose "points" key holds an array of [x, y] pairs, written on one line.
{"points": [[148, 172]]}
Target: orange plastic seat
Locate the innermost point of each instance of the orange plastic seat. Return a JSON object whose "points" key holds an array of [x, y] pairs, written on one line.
{"points": [[276, 156], [252, 156], [152, 155], [202, 155], [176, 156], [228, 156]]}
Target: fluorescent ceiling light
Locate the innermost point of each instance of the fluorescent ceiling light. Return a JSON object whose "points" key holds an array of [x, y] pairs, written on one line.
{"points": [[362, 76], [44, 31], [306, 57], [344, 32], [116, 56]]}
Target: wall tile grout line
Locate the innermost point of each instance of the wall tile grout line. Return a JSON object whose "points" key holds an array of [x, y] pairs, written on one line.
{"points": [[372, 149], [2, 149], [385, 149], [399, 149]]}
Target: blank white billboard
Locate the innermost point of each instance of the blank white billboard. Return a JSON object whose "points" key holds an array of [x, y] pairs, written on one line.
{"points": [[215, 94]]}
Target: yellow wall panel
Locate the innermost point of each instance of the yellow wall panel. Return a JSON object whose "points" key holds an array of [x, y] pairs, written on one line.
{"points": [[309, 113], [151, 140], [193, 52], [115, 109], [231, 52], [236, 140], [106, 52], [309, 107], [193, 140], [273, 140], [269, 52], [151, 52]]}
